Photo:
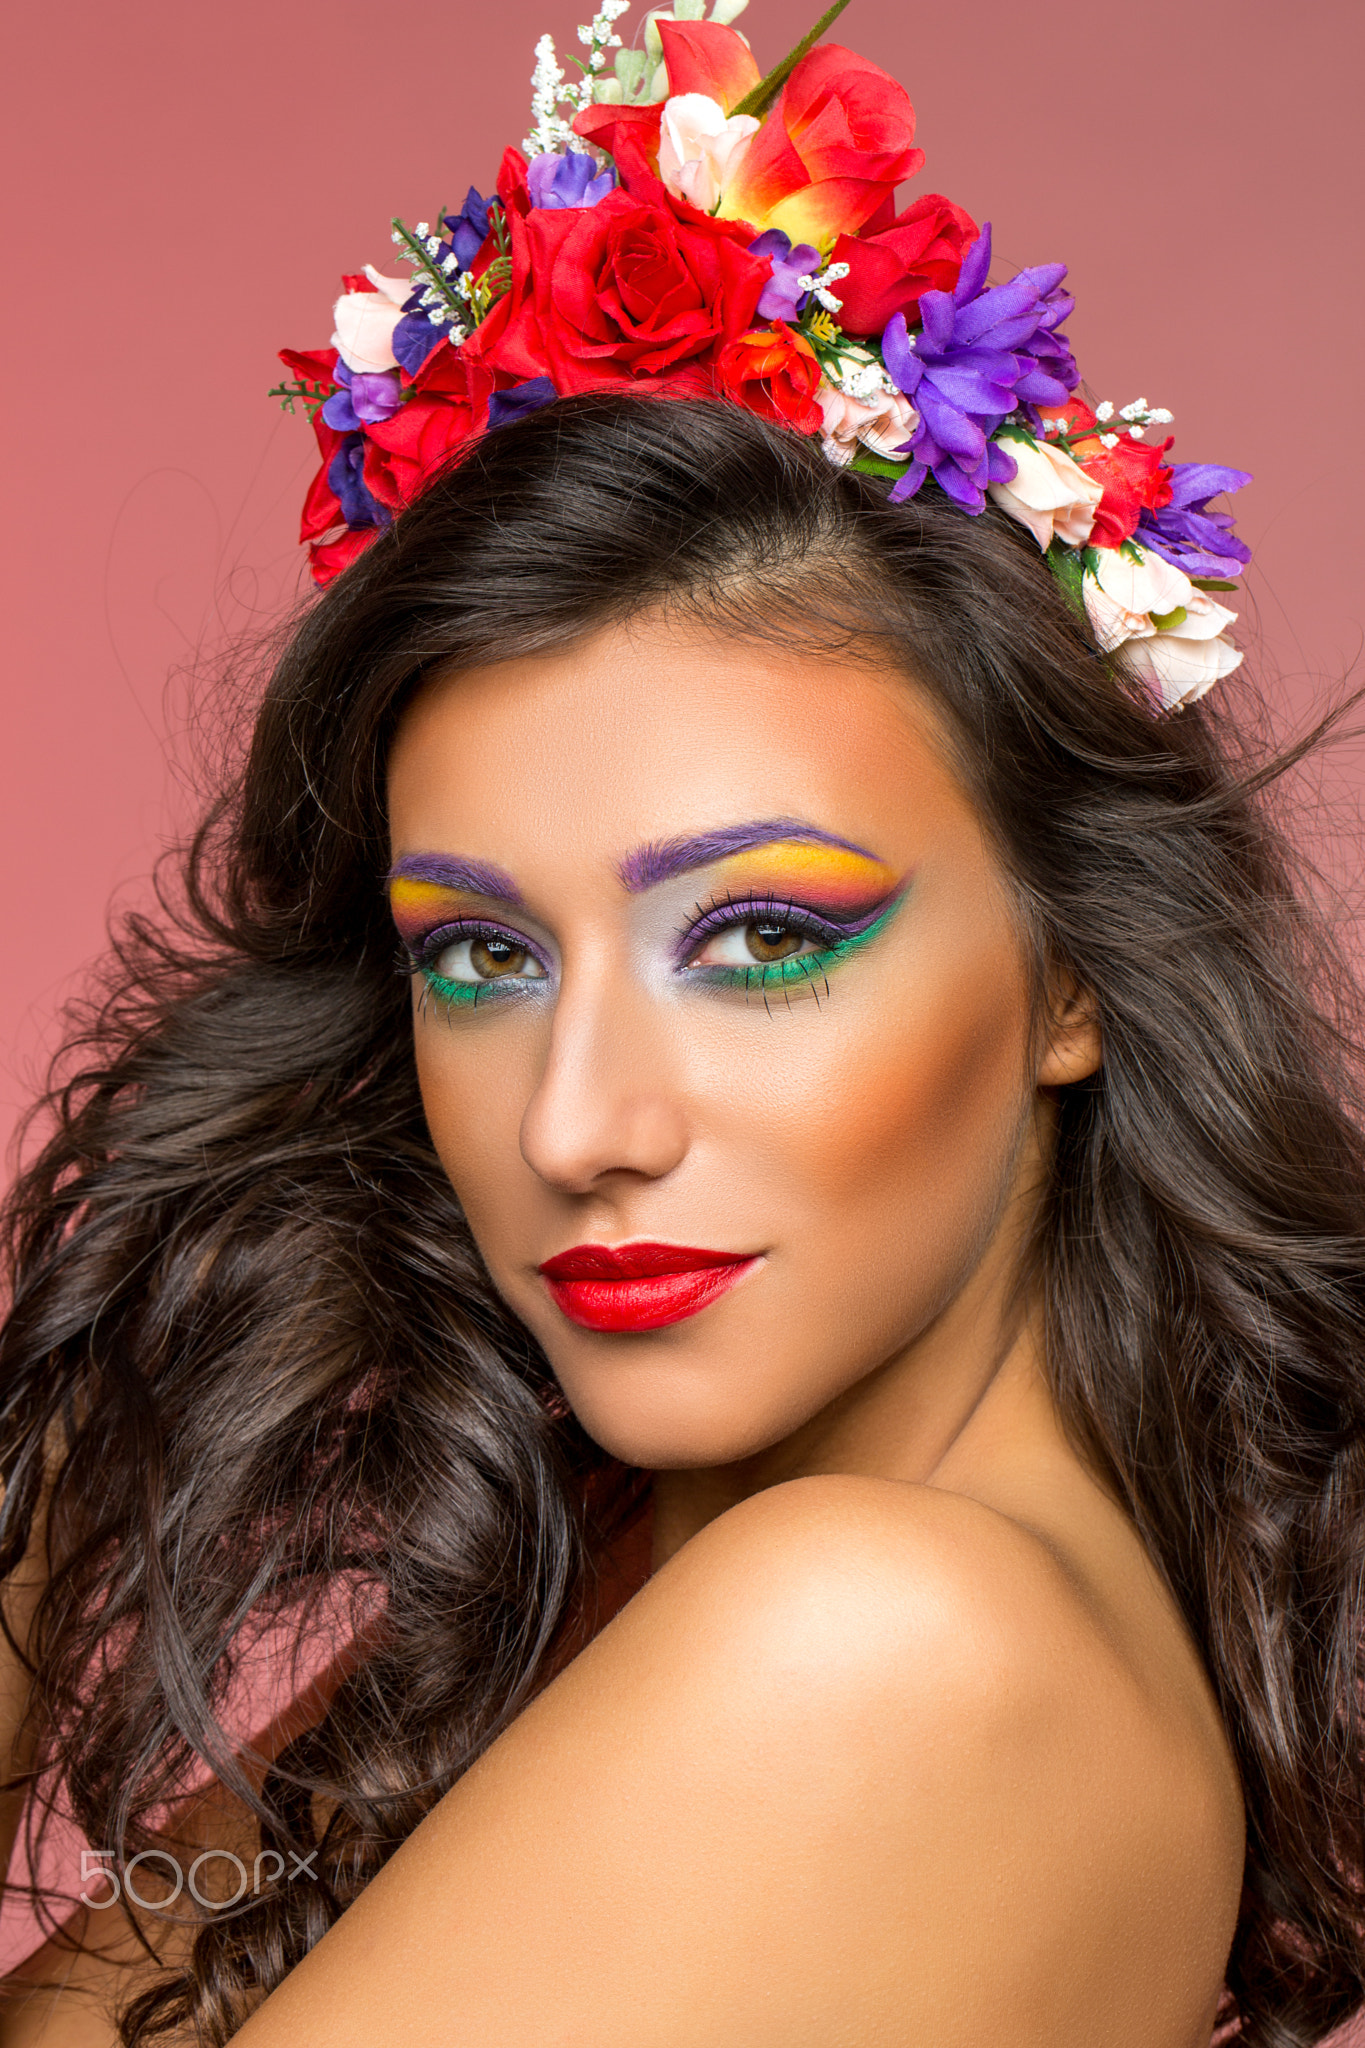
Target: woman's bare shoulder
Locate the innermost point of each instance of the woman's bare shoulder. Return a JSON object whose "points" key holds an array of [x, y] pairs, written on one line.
{"points": [[853, 1766]]}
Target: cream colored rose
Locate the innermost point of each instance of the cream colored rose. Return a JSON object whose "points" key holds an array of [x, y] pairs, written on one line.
{"points": [[881, 423], [364, 322], [1125, 588], [1050, 494], [1178, 668], [1170, 633], [699, 148]]}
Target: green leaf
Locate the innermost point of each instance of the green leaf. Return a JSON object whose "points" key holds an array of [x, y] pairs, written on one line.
{"points": [[1212, 583], [312, 396], [877, 465], [761, 96], [1167, 622], [1068, 566]]}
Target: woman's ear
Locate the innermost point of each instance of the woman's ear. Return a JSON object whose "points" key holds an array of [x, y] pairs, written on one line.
{"points": [[1073, 1046]]}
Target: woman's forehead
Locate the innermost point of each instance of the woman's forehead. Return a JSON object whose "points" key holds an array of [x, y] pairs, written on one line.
{"points": [[676, 734]]}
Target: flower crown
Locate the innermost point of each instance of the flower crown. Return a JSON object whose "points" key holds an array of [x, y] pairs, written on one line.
{"points": [[683, 225]]}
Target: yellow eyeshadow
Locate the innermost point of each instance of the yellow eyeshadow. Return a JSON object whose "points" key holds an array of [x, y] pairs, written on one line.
{"points": [[408, 894], [795, 864], [419, 906]]}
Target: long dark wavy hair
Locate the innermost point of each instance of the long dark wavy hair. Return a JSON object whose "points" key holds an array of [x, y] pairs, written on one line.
{"points": [[251, 1343]]}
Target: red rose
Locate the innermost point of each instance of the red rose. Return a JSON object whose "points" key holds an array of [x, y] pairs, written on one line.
{"points": [[833, 148], [920, 251], [321, 508], [706, 57], [603, 294], [700, 56], [312, 365], [630, 136], [449, 404], [512, 191], [773, 372], [1131, 474], [327, 559]]}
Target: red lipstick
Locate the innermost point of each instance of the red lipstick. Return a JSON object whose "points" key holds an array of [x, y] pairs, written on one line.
{"points": [[639, 1286]]}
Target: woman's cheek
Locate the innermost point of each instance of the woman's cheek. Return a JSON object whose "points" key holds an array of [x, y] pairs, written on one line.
{"points": [[474, 1096], [887, 1133]]}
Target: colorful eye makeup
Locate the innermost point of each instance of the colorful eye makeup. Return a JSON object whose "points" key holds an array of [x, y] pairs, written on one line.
{"points": [[462, 954], [787, 914], [791, 903], [424, 889]]}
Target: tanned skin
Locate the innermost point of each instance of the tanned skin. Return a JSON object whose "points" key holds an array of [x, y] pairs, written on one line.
{"points": [[903, 1743]]}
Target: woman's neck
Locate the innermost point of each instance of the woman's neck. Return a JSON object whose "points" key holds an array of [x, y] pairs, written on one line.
{"points": [[974, 1374]]}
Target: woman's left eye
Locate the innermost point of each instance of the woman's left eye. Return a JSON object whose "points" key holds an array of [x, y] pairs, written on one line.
{"points": [[760, 941]]}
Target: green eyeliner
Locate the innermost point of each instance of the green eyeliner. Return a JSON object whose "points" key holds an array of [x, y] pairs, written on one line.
{"points": [[800, 967], [455, 994]]}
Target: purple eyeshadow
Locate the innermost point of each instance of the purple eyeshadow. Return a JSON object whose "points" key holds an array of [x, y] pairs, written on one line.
{"points": [[659, 860], [745, 909], [476, 877]]}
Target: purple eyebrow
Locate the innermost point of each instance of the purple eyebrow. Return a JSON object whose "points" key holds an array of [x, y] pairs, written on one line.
{"points": [[479, 877], [658, 860]]}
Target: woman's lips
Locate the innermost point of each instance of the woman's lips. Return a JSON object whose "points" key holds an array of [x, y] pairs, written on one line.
{"points": [[639, 1286]]}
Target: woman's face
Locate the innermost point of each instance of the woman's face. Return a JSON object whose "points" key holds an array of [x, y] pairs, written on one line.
{"points": [[719, 975]]}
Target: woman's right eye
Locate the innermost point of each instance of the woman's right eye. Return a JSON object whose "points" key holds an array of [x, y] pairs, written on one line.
{"points": [[485, 956]]}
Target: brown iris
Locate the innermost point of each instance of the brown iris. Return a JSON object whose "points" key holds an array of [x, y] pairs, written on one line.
{"points": [[493, 957], [768, 940]]}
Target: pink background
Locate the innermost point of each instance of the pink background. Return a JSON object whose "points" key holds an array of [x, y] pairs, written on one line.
{"points": [[188, 182]]}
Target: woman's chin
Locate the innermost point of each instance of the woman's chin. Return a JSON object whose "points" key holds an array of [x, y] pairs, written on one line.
{"points": [[660, 1434]]}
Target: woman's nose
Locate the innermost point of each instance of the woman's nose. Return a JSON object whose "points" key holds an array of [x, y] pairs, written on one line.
{"points": [[604, 1103]]}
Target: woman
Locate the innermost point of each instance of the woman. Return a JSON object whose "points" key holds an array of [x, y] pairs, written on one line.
{"points": [[747, 1141], [781, 876]]}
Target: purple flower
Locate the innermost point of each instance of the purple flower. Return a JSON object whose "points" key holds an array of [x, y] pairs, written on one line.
{"points": [[521, 398], [413, 340], [570, 180], [1185, 533], [783, 294], [985, 352], [345, 474], [468, 228], [365, 397]]}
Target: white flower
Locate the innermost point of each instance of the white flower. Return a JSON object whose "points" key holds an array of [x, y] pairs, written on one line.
{"points": [[1050, 493], [1169, 632], [364, 322], [1178, 668], [549, 129], [699, 147], [394, 288], [881, 422], [819, 282], [1126, 587]]}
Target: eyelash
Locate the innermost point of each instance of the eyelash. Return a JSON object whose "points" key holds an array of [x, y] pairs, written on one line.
{"points": [[466, 995], [726, 913], [719, 915]]}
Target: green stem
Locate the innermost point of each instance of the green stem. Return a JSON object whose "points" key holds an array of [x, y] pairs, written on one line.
{"points": [[433, 271], [761, 96], [310, 395]]}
